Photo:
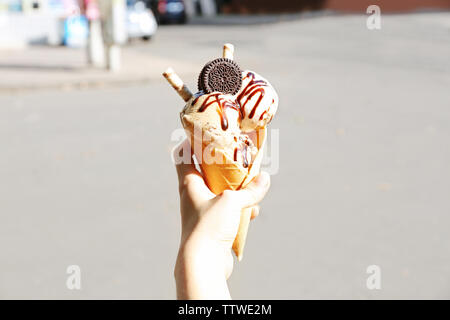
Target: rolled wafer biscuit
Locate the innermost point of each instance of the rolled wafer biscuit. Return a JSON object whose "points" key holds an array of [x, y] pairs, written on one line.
{"points": [[178, 84], [228, 51]]}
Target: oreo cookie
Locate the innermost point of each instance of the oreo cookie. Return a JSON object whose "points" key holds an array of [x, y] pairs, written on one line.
{"points": [[221, 75]]}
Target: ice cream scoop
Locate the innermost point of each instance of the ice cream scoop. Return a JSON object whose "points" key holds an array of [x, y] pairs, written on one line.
{"points": [[215, 120], [257, 100]]}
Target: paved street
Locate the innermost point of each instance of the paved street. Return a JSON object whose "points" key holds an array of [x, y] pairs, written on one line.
{"points": [[363, 176]]}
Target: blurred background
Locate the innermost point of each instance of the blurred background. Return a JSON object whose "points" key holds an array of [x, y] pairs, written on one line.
{"points": [[86, 124]]}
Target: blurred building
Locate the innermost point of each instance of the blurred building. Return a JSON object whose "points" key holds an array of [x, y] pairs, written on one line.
{"points": [[33, 21], [281, 6]]}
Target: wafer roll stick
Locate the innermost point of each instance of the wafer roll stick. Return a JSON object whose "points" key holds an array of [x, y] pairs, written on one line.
{"points": [[241, 236], [228, 51], [178, 84], [239, 242]]}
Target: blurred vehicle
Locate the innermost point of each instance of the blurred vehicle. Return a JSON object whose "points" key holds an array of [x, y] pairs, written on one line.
{"points": [[171, 11], [141, 22]]}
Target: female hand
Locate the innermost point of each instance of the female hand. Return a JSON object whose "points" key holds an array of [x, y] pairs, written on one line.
{"points": [[209, 226]]}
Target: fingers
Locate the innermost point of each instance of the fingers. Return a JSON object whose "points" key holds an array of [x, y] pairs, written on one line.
{"points": [[182, 158], [254, 192], [191, 180], [188, 176]]}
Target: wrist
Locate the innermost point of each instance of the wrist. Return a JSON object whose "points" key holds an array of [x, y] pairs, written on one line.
{"points": [[200, 271], [197, 254]]}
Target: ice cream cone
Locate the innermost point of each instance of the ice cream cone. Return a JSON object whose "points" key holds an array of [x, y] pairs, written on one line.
{"points": [[228, 111]]}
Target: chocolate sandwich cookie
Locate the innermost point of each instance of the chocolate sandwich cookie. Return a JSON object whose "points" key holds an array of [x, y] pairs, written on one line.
{"points": [[220, 75]]}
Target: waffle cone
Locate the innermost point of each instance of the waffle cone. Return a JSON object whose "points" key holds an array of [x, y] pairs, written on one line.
{"points": [[230, 175]]}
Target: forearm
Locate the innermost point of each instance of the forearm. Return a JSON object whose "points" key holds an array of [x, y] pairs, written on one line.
{"points": [[199, 273]]}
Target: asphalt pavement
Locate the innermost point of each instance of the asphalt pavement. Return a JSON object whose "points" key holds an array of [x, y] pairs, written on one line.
{"points": [[358, 154]]}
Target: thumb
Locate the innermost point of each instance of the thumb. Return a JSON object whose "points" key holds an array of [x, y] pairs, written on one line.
{"points": [[254, 192]]}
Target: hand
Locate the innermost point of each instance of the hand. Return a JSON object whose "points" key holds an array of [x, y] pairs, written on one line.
{"points": [[209, 224]]}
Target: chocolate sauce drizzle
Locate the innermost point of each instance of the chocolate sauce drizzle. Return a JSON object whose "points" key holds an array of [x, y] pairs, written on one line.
{"points": [[244, 153], [222, 103], [253, 88]]}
